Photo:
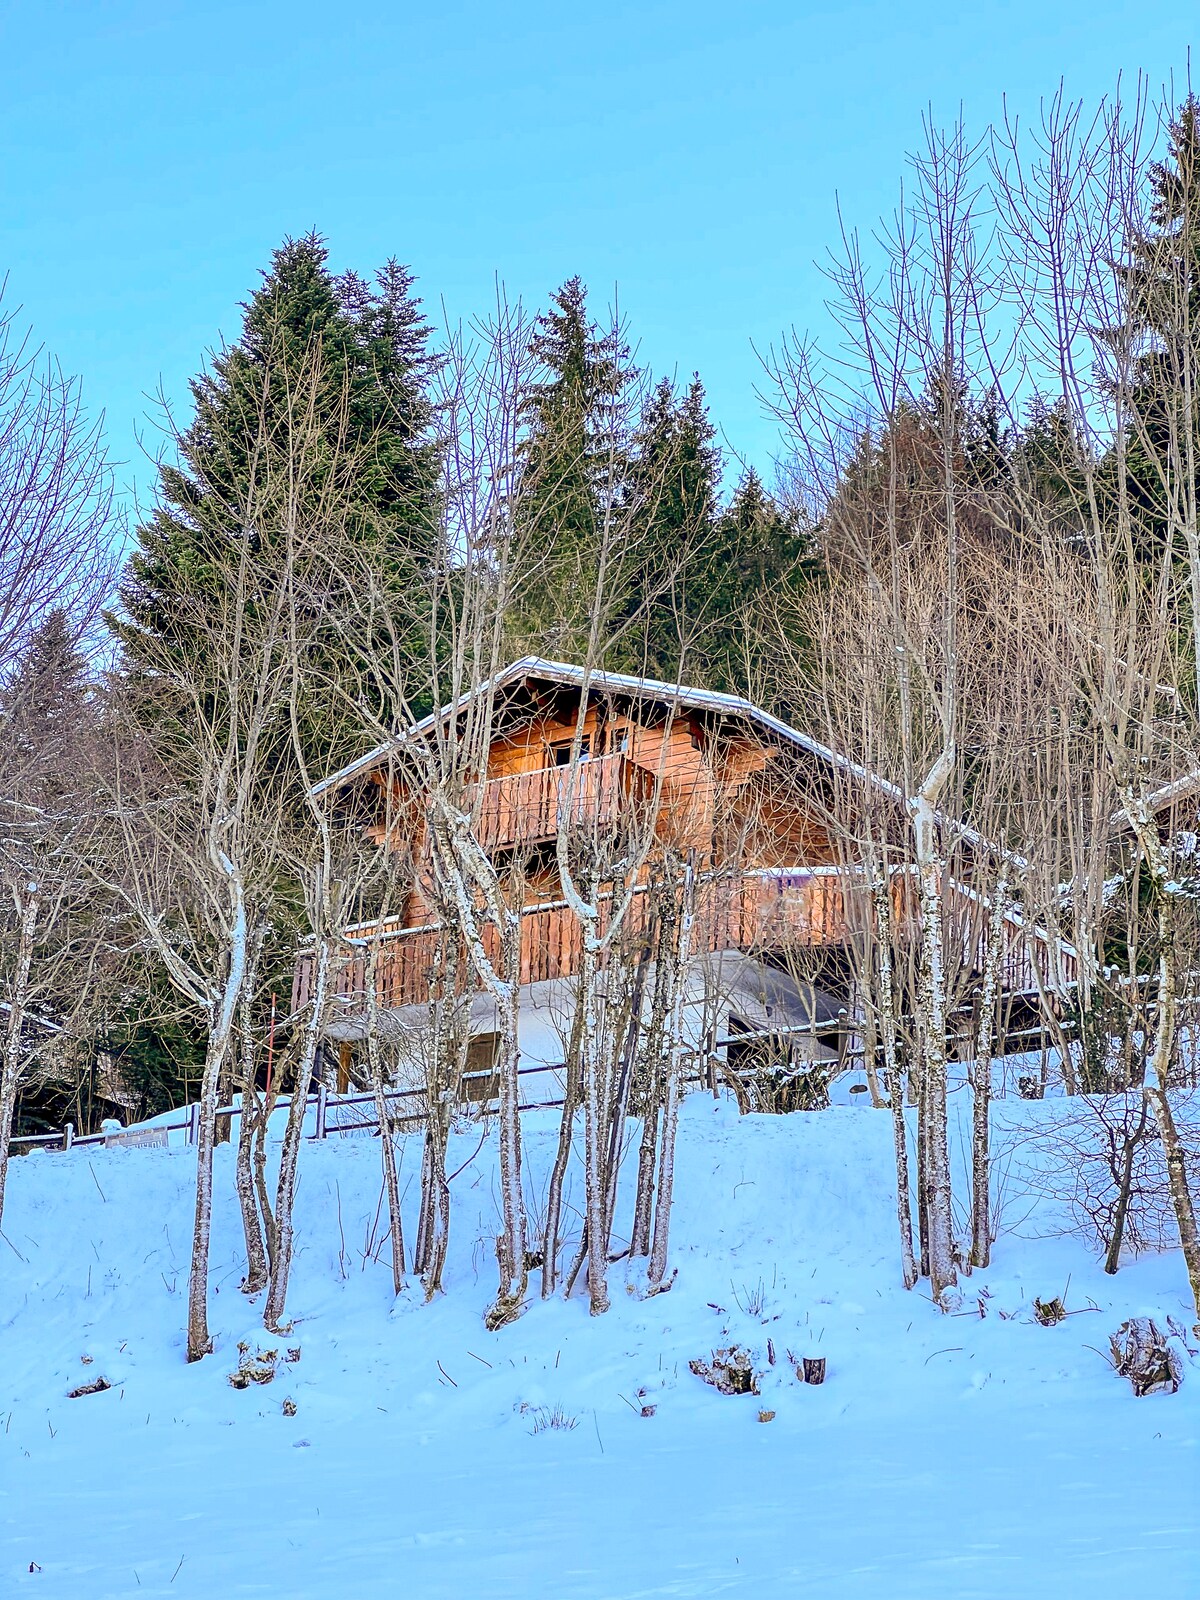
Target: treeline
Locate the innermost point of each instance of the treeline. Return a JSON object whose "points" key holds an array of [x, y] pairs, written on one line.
{"points": [[977, 578]]}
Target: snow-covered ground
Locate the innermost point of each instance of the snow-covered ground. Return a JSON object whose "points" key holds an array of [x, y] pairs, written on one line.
{"points": [[973, 1457]]}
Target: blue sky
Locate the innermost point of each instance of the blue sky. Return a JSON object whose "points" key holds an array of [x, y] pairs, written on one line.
{"points": [[689, 156]]}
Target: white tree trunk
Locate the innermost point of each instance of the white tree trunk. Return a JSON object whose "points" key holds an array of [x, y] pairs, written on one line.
{"points": [[220, 1030], [892, 1073], [932, 1018], [28, 903], [593, 1125], [666, 1165], [289, 1158], [981, 1083], [1166, 1024], [257, 1270], [391, 1180]]}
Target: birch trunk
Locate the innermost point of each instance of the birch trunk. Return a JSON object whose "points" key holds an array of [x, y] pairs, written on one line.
{"points": [[981, 1222], [511, 1247], [562, 1155], [932, 1006], [257, 1269], [464, 871], [892, 1073], [391, 1180], [443, 1075], [28, 905], [666, 1165], [1166, 1024], [597, 1258], [620, 1104], [199, 1342], [662, 1005], [289, 1157]]}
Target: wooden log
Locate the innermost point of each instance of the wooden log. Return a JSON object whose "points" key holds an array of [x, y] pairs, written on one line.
{"points": [[812, 1369]]}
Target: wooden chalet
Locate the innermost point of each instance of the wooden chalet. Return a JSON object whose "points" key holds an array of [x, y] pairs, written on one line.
{"points": [[740, 794]]}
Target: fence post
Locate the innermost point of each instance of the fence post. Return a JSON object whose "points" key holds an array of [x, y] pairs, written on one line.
{"points": [[68, 1135], [322, 1097], [843, 1037], [193, 1123]]}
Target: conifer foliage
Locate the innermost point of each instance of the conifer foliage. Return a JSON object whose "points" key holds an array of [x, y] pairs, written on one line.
{"points": [[365, 349], [1160, 290], [575, 460]]}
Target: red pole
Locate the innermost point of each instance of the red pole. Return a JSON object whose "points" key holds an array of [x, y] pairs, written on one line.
{"points": [[270, 1046]]}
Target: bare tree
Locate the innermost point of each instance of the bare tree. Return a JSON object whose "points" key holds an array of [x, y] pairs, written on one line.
{"points": [[1106, 291], [56, 530], [56, 563], [202, 827]]}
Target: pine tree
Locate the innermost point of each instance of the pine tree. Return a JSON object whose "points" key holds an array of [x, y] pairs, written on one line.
{"points": [[572, 468], [370, 347]]}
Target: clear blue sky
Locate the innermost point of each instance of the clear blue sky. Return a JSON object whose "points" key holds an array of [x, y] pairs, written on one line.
{"points": [[152, 152]]}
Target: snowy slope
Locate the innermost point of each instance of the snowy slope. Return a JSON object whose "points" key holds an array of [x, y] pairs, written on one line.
{"points": [[968, 1457]]}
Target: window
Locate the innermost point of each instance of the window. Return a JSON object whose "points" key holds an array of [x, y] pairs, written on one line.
{"points": [[560, 754]]}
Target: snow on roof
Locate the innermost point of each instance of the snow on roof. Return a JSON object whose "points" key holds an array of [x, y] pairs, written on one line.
{"points": [[732, 706], [678, 695], [1185, 788]]}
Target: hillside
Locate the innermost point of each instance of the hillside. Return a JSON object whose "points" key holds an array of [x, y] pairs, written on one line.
{"points": [[972, 1457]]}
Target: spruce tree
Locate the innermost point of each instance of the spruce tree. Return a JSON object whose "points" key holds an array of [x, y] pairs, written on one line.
{"points": [[1160, 291], [763, 557], [573, 462], [675, 486], [47, 707], [369, 346]]}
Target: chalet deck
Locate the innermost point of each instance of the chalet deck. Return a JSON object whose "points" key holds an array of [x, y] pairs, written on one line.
{"points": [[773, 910]]}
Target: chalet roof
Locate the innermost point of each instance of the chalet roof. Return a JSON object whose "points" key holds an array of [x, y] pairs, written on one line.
{"points": [[676, 696]]}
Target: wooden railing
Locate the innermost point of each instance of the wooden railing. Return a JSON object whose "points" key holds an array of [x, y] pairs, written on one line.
{"points": [[527, 807], [764, 910]]}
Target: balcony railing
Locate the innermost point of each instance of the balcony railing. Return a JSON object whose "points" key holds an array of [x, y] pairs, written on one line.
{"points": [[764, 910], [526, 808]]}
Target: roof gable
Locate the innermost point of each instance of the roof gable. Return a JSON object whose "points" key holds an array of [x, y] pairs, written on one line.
{"points": [[674, 697]]}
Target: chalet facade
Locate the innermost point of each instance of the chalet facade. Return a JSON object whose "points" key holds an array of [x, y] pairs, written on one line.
{"points": [[660, 777]]}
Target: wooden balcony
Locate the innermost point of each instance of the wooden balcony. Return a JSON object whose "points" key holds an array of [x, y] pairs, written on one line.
{"points": [[759, 911], [525, 808]]}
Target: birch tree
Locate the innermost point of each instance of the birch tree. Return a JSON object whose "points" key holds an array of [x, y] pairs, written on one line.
{"points": [[200, 812], [1105, 243]]}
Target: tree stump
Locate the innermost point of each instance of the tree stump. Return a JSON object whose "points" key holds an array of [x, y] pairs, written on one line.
{"points": [[812, 1369]]}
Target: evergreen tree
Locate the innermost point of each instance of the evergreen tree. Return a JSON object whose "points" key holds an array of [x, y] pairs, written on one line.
{"points": [[572, 469], [763, 556], [369, 348], [674, 483], [1160, 290], [45, 707]]}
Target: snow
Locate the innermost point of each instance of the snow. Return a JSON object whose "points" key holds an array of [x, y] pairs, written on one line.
{"points": [[967, 1457]]}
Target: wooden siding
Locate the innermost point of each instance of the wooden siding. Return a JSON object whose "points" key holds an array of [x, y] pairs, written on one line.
{"points": [[746, 806]]}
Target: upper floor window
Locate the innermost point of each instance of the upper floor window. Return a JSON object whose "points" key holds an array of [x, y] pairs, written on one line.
{"points": [[560, 754]]}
